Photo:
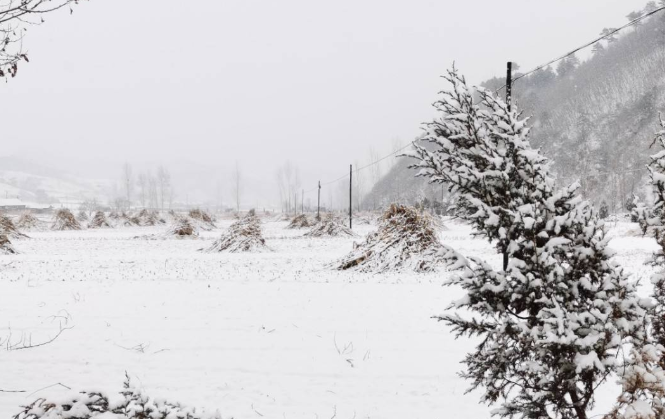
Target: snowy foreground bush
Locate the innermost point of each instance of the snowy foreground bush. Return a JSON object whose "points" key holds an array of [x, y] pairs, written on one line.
{"points": [[244, 235], [405, 240], [560, 318], [131, 403], [330, 226]]}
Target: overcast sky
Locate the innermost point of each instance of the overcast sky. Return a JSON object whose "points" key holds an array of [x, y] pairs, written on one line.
{"points": [[211, 81]]}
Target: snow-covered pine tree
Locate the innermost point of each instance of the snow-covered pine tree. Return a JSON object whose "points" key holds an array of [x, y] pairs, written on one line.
{"points": [[553, 321], [652, 221]]}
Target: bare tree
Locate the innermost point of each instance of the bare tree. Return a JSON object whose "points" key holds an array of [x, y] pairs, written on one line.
{"points": [[142, 181], [164, 184], [127, 182], [15, 17], [153, 196], [237, 185]]}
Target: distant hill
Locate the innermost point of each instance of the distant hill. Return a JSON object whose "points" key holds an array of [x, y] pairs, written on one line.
{"points": [[32, 182], [594, 119]]}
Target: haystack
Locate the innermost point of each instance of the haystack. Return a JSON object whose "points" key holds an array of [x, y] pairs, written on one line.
{"points": [[99, 221], [244, 235], [202, 218], [300, 221], [330, 226], [405, 241], [182, 228], [150, 218], [82, 216], [6, 247], [65, 220], [7, 228], [27, 221]]}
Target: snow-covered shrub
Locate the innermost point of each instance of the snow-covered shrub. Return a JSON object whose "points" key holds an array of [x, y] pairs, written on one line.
{"points": [[6, 247], [554, 321], [8, 228], [182, 227], [330, 226], [300, 221], [244, 235], [405, 240], [131, 403], [99, 221], [604, 211], [65, 220], [27, 221]]}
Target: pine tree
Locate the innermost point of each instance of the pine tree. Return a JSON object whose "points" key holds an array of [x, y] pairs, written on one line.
{"points": [[552, 322]]}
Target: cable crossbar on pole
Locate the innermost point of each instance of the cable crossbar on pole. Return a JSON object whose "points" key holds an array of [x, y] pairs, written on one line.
{"points": [[588, 44]]}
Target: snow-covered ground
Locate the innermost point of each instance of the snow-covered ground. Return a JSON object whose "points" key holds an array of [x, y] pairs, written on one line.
{"points": [[274, 335]]}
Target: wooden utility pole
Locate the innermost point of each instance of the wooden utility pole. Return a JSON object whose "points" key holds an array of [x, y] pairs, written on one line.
{"points": [[509, 84], [318, 204], [509, 93], [350, 196]]}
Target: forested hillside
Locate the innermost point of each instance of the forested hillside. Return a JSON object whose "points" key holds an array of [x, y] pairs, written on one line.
{"points": [[595, 119]]}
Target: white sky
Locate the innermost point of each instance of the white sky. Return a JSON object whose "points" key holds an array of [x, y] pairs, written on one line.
{"points": [[210, 82]]}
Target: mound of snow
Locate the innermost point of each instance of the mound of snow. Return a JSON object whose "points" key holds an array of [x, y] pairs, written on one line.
{"points": [[244, 235], [404, 241]]}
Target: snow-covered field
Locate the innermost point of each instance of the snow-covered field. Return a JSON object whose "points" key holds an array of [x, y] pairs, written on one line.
{"points": [[274, 335]]}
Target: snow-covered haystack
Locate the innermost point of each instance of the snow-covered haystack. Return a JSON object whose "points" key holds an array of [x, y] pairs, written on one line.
{"points": [[99, 221], [244, 235], [202, 218], [82, 216], [128, 220], [150, 218], [300, 221], [405, 241], [6, 247], [8, 228], [183, 228], [131, 403], [330, 226], [27, 221], [113, 215], [65, 220]]}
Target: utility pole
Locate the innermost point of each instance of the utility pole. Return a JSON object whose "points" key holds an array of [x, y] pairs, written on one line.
{"points": [[318, 204], [509, 84], [350, 196], [509, 93]]}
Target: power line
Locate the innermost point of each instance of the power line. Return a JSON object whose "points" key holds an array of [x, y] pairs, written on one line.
{"points": [[588, 44], [363, 167]]}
